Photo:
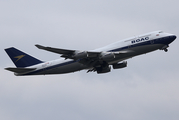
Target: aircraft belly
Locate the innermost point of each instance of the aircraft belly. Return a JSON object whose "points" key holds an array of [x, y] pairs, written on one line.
{"points": [[137, 51], [147, 48], [72, 67]]}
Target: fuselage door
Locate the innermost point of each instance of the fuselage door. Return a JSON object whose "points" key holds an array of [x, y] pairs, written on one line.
{"points": [[152, 39]]}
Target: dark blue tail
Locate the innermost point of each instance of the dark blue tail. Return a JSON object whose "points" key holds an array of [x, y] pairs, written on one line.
{"points": [[21, 59]]}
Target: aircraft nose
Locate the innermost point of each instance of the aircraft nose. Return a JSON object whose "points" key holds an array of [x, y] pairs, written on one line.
{"points": [[173, 37]]}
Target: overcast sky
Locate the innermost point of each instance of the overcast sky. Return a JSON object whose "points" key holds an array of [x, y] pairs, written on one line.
{"points": [[146, 90]]}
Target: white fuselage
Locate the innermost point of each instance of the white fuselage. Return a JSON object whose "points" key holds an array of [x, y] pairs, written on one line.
{"points": [[137, 45]]}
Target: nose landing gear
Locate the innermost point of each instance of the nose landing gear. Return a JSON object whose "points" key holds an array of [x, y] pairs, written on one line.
{"points": [[166, 50]]}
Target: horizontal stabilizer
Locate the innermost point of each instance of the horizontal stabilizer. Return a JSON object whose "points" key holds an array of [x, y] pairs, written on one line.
{"points": [[20, 70]]}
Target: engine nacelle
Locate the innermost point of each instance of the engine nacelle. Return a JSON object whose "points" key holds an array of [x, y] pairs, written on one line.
{"points": [[103, 70], [107, 56], [120, 65], [80, 55]]}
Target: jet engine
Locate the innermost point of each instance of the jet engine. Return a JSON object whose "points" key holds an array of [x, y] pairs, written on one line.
{"points": [[120, 65], [80, 55], [107, 56], [103, 69]]}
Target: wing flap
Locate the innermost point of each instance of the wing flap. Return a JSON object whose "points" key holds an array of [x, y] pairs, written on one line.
{"points": [[20, 70]]}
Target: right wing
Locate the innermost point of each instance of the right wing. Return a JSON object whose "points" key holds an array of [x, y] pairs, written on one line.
{"points": [[56, 50], [72, 54]]}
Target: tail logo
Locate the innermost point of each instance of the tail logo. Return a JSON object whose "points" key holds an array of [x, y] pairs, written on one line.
{"points": [[19, 57]]}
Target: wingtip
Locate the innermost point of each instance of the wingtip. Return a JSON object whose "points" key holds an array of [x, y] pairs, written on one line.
{"points": [[6, 68], [8, 48], [39, 46]]}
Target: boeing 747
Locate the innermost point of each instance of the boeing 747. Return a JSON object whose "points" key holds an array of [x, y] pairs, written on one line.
{"points": [[99, 60]]}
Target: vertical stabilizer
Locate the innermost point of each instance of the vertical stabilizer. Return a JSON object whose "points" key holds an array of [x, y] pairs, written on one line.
{"points": [[21, 59]]}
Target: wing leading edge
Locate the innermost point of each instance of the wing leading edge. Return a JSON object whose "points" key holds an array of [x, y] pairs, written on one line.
{"points": [[71, 54]]}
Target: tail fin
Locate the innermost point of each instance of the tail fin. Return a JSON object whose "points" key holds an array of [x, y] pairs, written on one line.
{"points": [[21, 59]]}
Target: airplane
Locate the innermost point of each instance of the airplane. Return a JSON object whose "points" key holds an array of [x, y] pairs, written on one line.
{"points": [[99, 60]]}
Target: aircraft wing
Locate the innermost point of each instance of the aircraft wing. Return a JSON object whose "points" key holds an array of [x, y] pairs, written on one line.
{"points": [[88, 58], [72, 54], [56, 50]]}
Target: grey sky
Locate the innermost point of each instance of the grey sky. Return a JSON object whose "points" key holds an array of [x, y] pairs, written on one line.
{"points": [[146, 89]]}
